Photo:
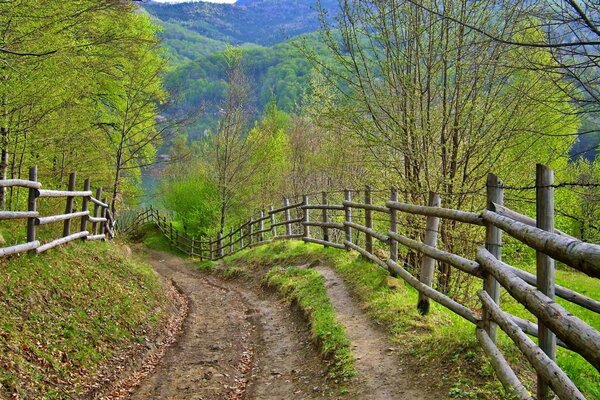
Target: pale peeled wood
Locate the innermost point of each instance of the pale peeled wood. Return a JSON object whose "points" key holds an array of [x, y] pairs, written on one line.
{"points": [[6, 215], [20, 183], [60, 218], [19, 248], [546, 367], [507, 212], [60, 241], [584, 257], [371, 207], [371, 232], [578, 335], [504, 372], [323, 243], [63, 193], [445, 213]]}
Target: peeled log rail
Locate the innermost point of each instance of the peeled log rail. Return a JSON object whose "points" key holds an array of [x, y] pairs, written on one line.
{"points": [[371, 207], [285, 208], [63, 193], [101, 204], [575, 333], [507, 212], [531, 329], [5, 215], [20, 183], [59, 218], [558, 380], [567, 294], [322, 207], [433, 294], [291, 221], [20, 248], [368, 231], [332, 225], [93, 238], [505, 373], [584, 257], [465, 265], [324, 243], [97, 219], [60, 241], [446, 213]]}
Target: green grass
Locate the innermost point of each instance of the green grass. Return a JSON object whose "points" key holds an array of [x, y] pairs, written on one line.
{"points": [[306, 288], [441, 339], [64, 313]]}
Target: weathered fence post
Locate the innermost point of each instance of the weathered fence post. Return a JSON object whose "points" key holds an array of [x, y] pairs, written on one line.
{"points": [[493, 243], [348, 217], [368, 220], [85, 206], [325, 217], [251, 227], [220, 245], [241, 237], [31, 205], [96, 210], [288, 225], [69, 205], [428, 263], [193, 246], [103, 214], [393, 226], [231, 249], [272, 220], [545, 264], [305, 217], [261, 235]]}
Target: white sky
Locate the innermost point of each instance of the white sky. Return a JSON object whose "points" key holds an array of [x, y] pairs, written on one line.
{"points": [[188, 1]]}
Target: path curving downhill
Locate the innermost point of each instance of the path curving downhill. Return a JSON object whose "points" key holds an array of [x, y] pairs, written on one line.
{"points": [[236, 344]]}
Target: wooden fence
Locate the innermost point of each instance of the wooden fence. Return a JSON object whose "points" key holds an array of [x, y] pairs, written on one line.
{"points": [[319, 223], [100, 217]]}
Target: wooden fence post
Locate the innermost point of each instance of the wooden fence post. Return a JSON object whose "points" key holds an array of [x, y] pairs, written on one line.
{"points": [[288, 225], [32, 206], [251, 227], [193, 246], [325, 217], [261, 235], [368, 221], [305, 217], [69, 205], [545, 264], [393, 226], [171, 233], [493, 243], [85, 206], [273, 227], [428, 263], [348, 217], [104, 214], [220, 245], [96, 210], [231, 249]]}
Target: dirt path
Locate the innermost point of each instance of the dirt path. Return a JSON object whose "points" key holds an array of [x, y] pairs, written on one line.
{"points": [[382, 374], [233, 340]]}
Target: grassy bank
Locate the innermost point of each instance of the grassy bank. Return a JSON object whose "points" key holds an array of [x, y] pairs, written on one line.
{"points": [[441, 340], [64, 314]]}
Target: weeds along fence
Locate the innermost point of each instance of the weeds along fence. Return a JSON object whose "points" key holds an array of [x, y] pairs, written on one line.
{"points": [[336, 225], [93, 211]]}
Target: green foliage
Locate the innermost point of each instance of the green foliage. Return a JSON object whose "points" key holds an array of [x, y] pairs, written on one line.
{"points": [[307, 288], [64, 314]]}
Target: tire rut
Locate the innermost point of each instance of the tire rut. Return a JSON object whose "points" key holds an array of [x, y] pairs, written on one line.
{"points": [[237, 343]]}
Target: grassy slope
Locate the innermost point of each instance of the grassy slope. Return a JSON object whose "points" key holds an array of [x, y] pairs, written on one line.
{"points": [[441, 339], [64, 313]]}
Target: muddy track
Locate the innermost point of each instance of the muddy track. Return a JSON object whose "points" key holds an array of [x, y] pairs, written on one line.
{"points": [[236, 343], [383, 372]]}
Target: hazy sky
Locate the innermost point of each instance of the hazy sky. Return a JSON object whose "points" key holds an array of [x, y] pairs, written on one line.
{"points": [[184, 1]]}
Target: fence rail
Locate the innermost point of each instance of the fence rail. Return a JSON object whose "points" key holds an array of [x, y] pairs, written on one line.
{"points": [[100, 217], [536, 292]]}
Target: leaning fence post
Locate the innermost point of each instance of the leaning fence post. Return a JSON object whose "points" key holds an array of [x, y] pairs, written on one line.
{"points": [[368, 220], [273, 227], [493, 243], [347, 217], [305, 217], [288, 225], [393, 226], [261, 234], [428, 263], [545, 264], [31, 205], [69, 205], [325, 218], [96, 210], [84, 206]]}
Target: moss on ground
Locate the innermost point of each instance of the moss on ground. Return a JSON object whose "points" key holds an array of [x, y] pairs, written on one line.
{"points": [[65, 313]]}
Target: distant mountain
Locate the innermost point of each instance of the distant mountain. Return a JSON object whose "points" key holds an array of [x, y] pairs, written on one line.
{"points": [[263, 22]]}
